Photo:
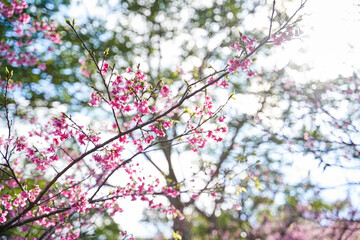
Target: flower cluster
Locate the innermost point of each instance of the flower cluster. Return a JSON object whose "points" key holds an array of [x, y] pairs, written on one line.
{"points": [[15, 7], [77, 199], [16, 52], [244, 45], [12, 204], [287, 35]]}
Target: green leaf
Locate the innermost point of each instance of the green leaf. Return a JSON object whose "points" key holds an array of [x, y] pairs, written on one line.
{"points": [[106, 52], [176, 235], [68, 22], [240, 190], [232, 95]]}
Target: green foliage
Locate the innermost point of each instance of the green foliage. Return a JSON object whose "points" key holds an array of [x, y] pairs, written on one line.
{"points": [[177, 236]]}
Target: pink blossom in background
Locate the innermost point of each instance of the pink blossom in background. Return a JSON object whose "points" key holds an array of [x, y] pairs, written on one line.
{"points": [[84, 72], [24, 18], [237, 207], [42, 66], [81, 61]]}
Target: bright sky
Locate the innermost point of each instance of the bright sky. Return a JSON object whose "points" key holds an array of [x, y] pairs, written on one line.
{"points": [[332, 42]]}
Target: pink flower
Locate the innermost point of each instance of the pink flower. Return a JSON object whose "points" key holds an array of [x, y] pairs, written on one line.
{"points": [[244, 38], [250, 74], [81, 61], [3, 217], [149, 139], [24, 18], [237, 207], [128, 70], [221, 119], [208, 103], [140, 148], [118, 81], [42, 67], [165, 91], [234, 65], [167, 124], [224, 129], [172, 192], [122, 139], [84, 72], [127, 108], [250, 44], [19, 32], [140, 76], [55, 38], [236, 46], [105, 68], [224, 84], [195, 196], [143, 107], [212, 79], [307, 136], [95, 100]]}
